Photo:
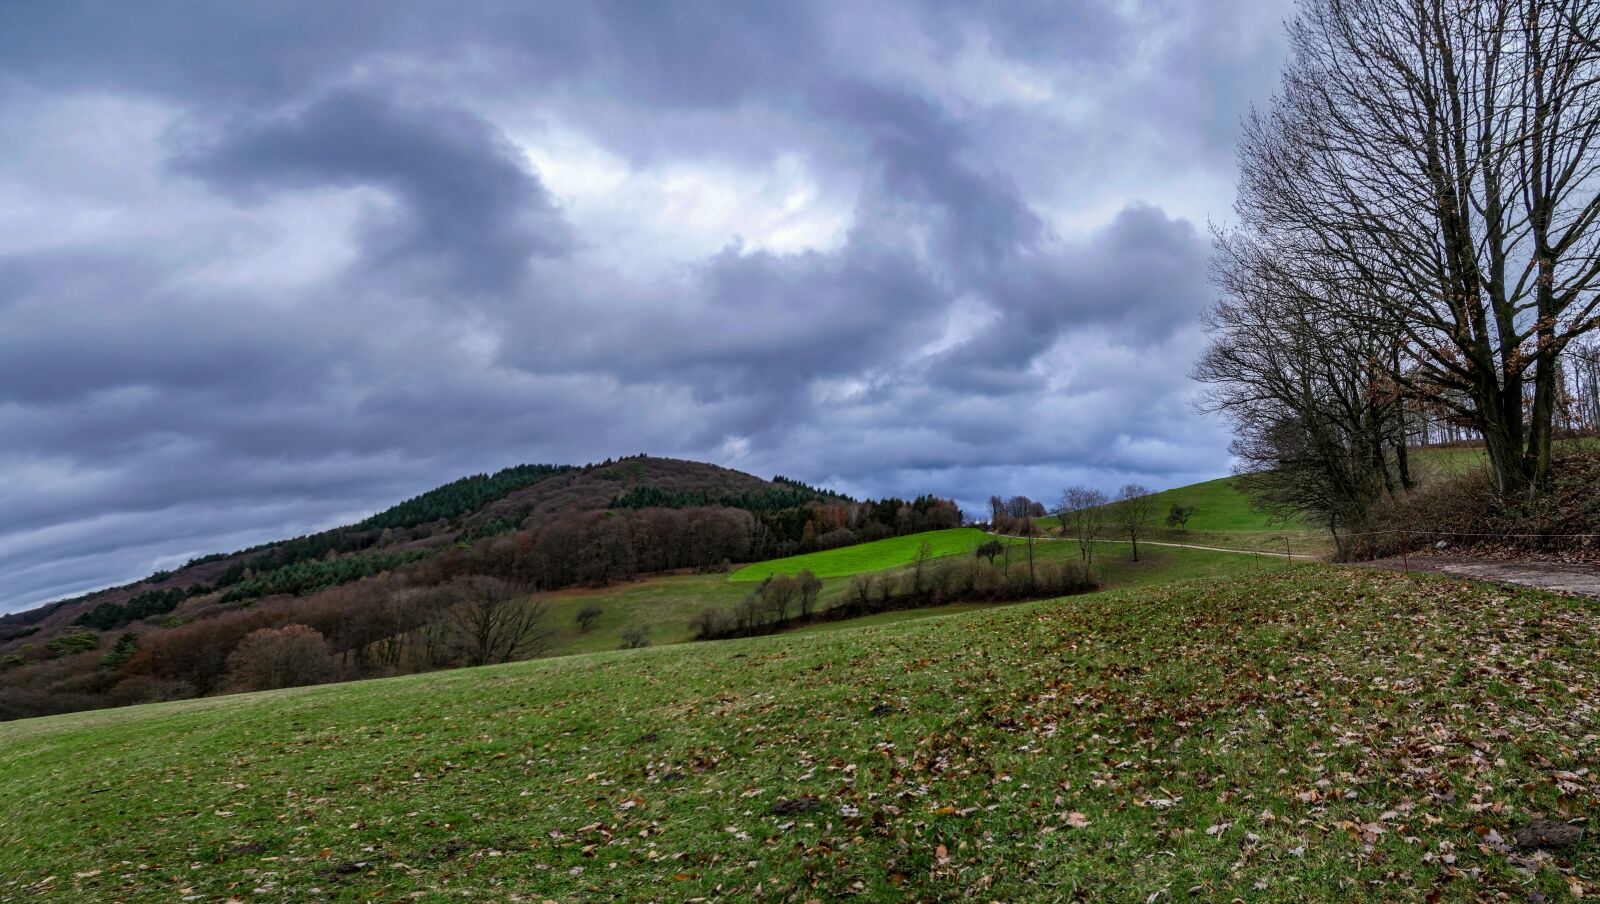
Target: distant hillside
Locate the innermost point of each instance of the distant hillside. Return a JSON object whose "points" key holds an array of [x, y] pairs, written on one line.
{"points": [[471, 508], [389, 594]]}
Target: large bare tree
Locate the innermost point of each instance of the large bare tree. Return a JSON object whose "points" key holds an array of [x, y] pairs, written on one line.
{"points": [[1135, 509], [1439, 159], [498, 623], [1317, 415]]}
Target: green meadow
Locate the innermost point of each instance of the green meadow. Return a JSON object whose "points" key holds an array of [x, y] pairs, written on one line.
{"points": [[1208, 725], [864, 557], [1305, 732], [665, 604]]}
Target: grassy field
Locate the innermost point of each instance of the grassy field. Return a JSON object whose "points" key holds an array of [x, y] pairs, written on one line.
{"points": [[1437, 461], [665, 604], [1310, 733], [863, 557], [1219, 506], [1224, 518]]}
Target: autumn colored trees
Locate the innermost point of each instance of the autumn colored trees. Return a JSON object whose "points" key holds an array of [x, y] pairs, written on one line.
{"points": [[270, 658]]}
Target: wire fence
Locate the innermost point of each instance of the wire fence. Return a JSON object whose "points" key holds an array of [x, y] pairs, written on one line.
{"points": [[1460, 533], [1343, 540], [1443, 536]]}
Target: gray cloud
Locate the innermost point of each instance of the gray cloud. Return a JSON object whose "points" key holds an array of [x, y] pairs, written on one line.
{"points": [[472, 214], [266, 268]]}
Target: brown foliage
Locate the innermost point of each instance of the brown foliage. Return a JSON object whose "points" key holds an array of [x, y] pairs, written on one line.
{"points": [[271, 658], [1466, 513]]}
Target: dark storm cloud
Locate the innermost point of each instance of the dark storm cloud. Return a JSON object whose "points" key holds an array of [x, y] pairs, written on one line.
{"points": [[916, 149], [77, 324], [472, 213], [1138, 280], [267, 267]]}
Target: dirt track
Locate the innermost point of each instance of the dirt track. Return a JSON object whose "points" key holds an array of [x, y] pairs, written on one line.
{"points": [[1558, 577]]}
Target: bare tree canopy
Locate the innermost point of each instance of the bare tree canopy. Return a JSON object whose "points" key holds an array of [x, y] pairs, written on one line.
{"points": [[1083, 515], [1428, 176], [1318, 421], [271, 658], [1134, 510], [496, 623]]}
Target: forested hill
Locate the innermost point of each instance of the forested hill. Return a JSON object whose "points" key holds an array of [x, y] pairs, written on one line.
{"points": [[384, 595], [464, 510]]}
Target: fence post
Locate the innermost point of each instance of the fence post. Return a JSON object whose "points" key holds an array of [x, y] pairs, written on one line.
{"points": [[1405, 553]]}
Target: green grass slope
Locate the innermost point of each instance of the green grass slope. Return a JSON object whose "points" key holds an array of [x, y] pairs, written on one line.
{"points": [[1311, 734], [1222, 506], [666, 604], [1223, 518], [875, 556], [1219, 506]]}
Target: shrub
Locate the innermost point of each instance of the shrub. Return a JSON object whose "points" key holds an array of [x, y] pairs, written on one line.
{"points": [[709, 623], [586, 617], [1464, 510], [635, 637], [76, 642], [1178, 516], [149, 689]]}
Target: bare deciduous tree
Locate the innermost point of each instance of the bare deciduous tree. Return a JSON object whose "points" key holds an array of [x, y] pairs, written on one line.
{"points": [[1317, 419], [1134, 510], [779, 592], [271, 658], [587, 616], [1178, 515], [1082, 511], [1440, 159], [810, 589], [496, 623], [919, 567]]}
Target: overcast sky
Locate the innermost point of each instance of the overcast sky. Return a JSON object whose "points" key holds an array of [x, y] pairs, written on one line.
{"points": [[268, 267]]}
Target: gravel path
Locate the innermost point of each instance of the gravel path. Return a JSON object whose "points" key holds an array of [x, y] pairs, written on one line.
{"points": [[1559, 577]]}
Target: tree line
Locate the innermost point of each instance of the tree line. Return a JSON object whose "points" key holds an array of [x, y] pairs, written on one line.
{"points": [[107, 616], [1085, 514], [796, 518], [784, 601], [458, 497]]}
